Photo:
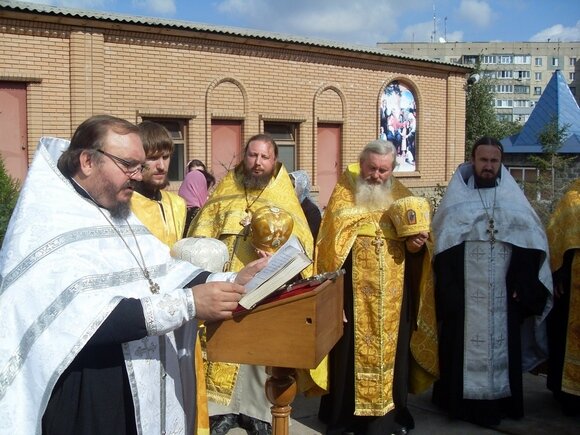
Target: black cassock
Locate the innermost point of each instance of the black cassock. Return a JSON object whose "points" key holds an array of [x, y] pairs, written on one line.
{"points": [[522, 279]]}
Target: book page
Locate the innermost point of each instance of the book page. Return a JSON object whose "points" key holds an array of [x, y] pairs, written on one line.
{"points": [[281, 258], [285, 264]]}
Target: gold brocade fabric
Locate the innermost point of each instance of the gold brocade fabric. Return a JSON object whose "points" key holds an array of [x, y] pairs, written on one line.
{"points": [[173, 215], [563, 233], [378, 277], [150, 213], [220, 218]]}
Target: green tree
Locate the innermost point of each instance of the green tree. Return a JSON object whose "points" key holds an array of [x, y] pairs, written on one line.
{"points": [[9, 188], [480, 117], [552, 165]]}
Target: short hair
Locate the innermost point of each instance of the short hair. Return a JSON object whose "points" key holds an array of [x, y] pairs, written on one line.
{"points": [[264, 138], [487, 140], [381, 147], [195, 163], [156, 139], [90, 136]]}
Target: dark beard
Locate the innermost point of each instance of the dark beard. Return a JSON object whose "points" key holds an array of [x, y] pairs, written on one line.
{"points": [[255, 181], [149, 191], [120, 210], [485, 183]]}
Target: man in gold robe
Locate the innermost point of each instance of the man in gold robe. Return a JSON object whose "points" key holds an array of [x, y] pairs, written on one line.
{"points": [[563, 233], [164, 213], [236, 392], [389, 335]]}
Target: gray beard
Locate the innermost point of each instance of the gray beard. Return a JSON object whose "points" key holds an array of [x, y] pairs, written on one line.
{"points": [[373, 196], [120, 211]]}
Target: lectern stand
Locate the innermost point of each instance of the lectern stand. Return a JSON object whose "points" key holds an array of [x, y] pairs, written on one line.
{"points": [[290, 333]]}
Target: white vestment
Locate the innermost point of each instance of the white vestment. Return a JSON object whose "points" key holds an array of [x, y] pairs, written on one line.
{"points": [[63, 269], [462, 217]]}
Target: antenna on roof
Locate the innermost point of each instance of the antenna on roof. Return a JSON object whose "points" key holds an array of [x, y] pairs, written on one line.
{"points": [[434, 24]]}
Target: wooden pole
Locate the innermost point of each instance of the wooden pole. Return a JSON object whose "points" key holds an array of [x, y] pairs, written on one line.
{"points": [[281, 391]]}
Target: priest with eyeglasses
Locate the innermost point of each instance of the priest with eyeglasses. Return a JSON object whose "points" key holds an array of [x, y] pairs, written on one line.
{"points": [[91, 302]]}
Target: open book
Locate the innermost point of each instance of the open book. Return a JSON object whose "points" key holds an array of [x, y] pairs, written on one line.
{"points": [[284, 265]]}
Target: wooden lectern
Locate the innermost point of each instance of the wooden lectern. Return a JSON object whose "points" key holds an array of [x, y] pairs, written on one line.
{"points": [[294, 332]]}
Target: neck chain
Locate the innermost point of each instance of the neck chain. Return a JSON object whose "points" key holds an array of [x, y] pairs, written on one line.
{"points": [[153, 286], [245, 221], [490, 219]]}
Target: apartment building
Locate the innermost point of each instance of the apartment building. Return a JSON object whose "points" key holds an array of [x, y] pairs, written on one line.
{"points": [[520, 70]]}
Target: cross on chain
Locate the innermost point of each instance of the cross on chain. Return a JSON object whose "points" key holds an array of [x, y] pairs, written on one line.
{"points": [[491, 230], [378, 242]]}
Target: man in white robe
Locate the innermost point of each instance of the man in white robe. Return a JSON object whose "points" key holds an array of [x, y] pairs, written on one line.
{"points": [[90, 299]]}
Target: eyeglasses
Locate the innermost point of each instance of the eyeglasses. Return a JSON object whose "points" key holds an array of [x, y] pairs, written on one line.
{"points": [[130, 169]]}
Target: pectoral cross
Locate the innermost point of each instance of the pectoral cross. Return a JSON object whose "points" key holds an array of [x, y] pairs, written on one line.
{"points": [[247, 219], [378, 242], [153, 286], [491, 230]]}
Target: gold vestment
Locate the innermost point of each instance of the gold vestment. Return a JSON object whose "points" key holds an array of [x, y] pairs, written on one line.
{"points": [[171, 210], [563, 233], [221, 217], [378, 258]]}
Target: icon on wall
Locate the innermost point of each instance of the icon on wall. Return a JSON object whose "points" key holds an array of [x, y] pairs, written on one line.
{"points": [[398, 123]]}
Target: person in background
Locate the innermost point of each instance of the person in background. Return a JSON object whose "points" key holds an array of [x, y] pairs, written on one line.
{"points": [[161, 211], [194, 189], [301, 184], [164, 213], [387, 278], [564, 320], [493, 290], [92, 345]]}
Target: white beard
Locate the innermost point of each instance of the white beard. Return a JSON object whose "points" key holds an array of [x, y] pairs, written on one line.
{"points": [[373, 196]]}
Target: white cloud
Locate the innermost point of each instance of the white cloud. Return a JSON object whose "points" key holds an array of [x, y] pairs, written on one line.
{"points": [[354, 21], [420, 32], [558, 33], [423, 32], [455, 36], [476, 12], [162, 7], [79, 4]]}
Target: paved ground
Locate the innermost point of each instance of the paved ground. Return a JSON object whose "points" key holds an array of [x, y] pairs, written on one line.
{"points": [[542, 416]]}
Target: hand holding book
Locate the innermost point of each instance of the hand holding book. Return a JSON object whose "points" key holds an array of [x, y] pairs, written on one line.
{"points": [[286, 263]]}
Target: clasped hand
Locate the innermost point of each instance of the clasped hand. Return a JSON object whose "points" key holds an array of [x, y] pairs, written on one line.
{"points": [[416, 242]]}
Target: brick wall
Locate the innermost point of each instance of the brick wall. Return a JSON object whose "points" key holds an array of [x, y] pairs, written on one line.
{"points": [[74, 72]]}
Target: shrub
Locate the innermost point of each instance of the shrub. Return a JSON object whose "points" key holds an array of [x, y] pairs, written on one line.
{"points": [[9, 188]]}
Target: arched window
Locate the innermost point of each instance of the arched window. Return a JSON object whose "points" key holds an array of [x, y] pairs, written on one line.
{"points": [[398, 115]]}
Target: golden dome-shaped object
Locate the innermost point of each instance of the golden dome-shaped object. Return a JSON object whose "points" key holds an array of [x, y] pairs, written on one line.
{"points": [[270, 228], [410, 215]]}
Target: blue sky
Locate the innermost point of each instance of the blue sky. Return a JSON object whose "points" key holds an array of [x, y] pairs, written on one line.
{"points": [[368, 21]]}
